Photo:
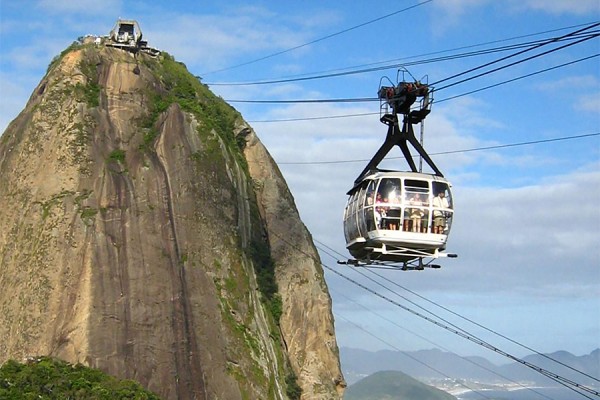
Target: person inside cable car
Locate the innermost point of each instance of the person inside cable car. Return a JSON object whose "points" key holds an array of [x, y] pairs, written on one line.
{"points": [[384, 209], [379, 212], [394, 210], [417, 213], [440, 203], [389, 190]]}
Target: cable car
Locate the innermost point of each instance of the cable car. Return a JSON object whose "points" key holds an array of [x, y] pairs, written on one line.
{"points": [[127, 35], [399, 218]]}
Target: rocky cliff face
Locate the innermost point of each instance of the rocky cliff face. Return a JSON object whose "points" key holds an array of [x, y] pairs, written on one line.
{"points": [[147, 232]]}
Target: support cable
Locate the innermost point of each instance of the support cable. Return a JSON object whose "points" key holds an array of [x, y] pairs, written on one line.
{"points": [[473, 149], [437, 101], [552, 40], [520, 77], [388, 66], [319, 39], [416, 359], [451, 312], [372, 99], [485, 328], [568, 383], [466, 359], [519, 61]]}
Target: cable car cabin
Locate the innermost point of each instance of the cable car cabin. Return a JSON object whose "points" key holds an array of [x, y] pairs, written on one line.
{"points": [[126, 33], [398, 217]]}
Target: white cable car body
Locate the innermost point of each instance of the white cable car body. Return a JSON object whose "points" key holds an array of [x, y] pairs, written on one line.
{"points": [[397, 218]]}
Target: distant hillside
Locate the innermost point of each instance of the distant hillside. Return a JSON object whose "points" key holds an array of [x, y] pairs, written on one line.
{"points": [[588, 364], [393, 385], [360, 363]]}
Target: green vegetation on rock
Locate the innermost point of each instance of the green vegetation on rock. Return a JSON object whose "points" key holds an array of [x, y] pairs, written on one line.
{"points": [[264, 268], [48, 378], [117, 155], [91, 89], [56, 60], [293, 390], [214, 116], [179, 86]]}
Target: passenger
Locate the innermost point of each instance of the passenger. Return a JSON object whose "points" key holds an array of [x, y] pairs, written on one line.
{"points": [[387, 222], [393, 213], [370, 199], [378, 211], [416, 214], [440, 202]]}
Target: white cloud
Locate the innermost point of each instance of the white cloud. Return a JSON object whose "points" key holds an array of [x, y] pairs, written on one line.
{"points": [[87, 7], [450, 14], [583, 90], [570, 83], [557, 7], [213, 41], [552, 226], [458, 8], [589, 102]]}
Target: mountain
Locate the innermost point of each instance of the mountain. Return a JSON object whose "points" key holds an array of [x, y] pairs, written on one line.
{"points": [[425, 364], [393, 385], [147, 232], [588, 364], [418, 364]]}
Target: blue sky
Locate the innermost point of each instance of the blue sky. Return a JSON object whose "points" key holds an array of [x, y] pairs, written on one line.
{"points": [[527, 222]]}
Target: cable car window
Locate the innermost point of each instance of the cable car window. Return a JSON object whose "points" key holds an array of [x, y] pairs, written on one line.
{"points": [[416, 186], [349, 219], [443, 187], [370, 197], [442, 208], [389, 189], [353, 226], [361, 194], [346, 225], [416, 212], [360, 215], [372, 218]]}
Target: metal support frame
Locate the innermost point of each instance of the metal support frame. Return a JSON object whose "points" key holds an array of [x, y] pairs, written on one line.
{"points": [[400, 138]]}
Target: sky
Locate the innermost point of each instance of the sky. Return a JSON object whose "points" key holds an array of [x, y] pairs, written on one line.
{"points": [[523, 155]]}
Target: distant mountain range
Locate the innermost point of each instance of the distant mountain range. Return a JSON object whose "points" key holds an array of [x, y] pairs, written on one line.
{"points": [[436, 364]]}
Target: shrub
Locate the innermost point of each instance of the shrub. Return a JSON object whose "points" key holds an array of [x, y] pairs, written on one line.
{"points": [[292, 389], [117, 155], [48, 378]]}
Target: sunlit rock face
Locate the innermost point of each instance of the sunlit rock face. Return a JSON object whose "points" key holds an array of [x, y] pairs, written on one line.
{"points": [[146, 231]]}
